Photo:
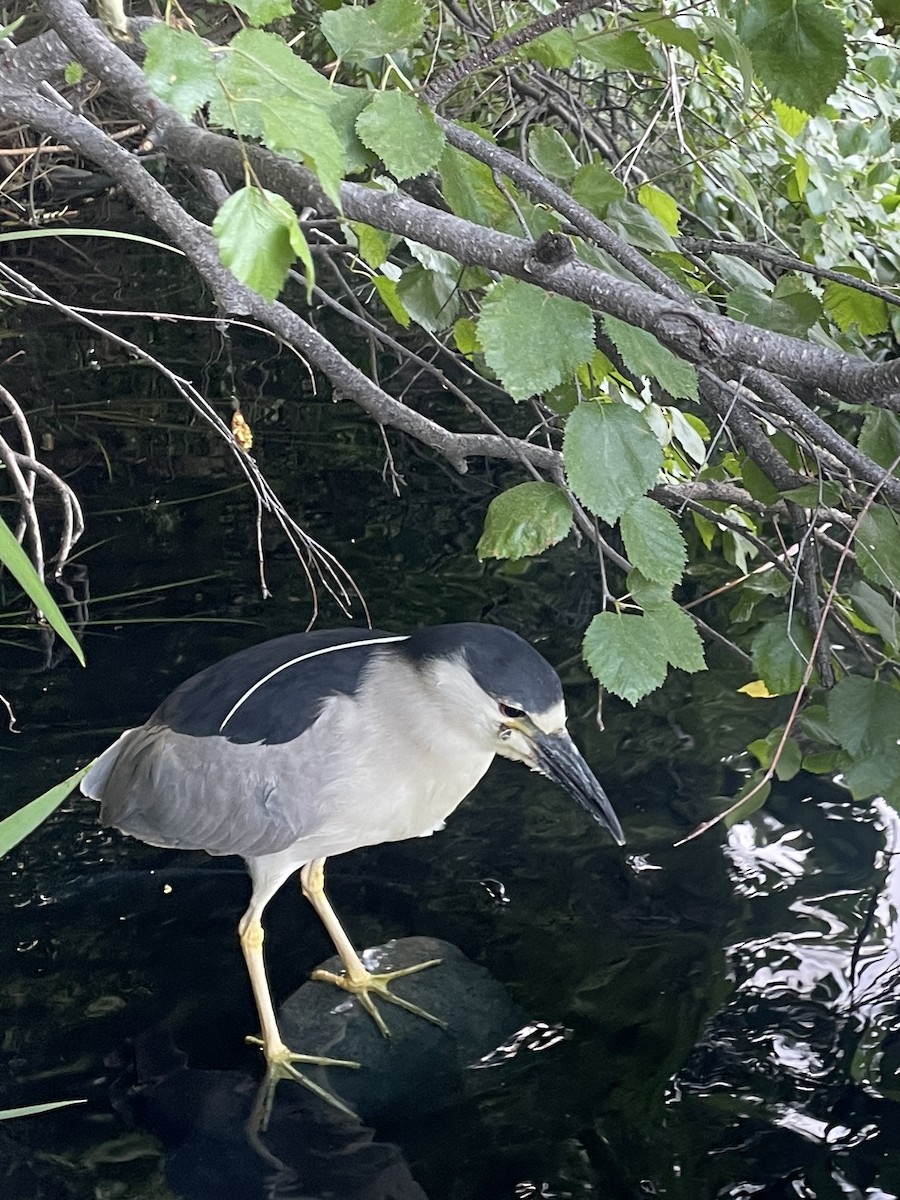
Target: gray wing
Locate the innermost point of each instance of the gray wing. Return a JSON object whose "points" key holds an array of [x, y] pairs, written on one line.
{"points": [[235, 760], [206, 793]]}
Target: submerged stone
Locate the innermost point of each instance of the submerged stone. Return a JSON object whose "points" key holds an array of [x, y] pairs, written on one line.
{"points": [[420, 1068]]}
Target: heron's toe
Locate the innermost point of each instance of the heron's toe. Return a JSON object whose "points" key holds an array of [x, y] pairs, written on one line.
{"points": [[280, 1065], [365, 987]]}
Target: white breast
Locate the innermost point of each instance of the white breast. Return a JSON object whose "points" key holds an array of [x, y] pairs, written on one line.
{"points": [[395, 776]]}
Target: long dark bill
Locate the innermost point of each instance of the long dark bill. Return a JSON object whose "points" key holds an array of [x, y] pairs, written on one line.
{"points": [[560, 760]]}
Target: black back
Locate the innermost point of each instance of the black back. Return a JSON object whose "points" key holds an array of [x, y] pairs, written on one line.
{"points": [[285, 705]]}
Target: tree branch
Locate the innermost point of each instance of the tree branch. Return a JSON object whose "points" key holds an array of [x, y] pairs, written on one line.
{"points": [[688, 330]]}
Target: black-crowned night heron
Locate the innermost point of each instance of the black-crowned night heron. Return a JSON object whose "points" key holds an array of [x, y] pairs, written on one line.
{"points": [[317, 743]]}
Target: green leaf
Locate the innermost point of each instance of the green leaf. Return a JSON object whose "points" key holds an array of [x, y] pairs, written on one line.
{"points": [[878, 547], [554, 50], [357, 33], [798, 49], [758, 484], [653, 541], [18, 826], [706, 529], [435, 260], [345, 106], [260, 68], [690, 433], [430, 297], [813, 495], [813, 722], [638, 227], [533, 339], [790, 759], [780, 653], [550, 153], [851, 308], [19, 565], [525, 520], [402, 132], [874, 609], [624, 655], [269, 92], [465, 334], [888, 10], [643, 354], [73, 74], [757, 794], [791, 120], [864, 715], [294, 128], [374, 244], [596, 187], [472, 194], [646, 593], [732, 50], [793, 314], [826, 762], [612, 457], [261, 12], [179, 68], [28, 1110], [880, 438], [617, 51], [259, 239], [665, 30], [390, 298], [801, 172], [661, 205], [875, 775], [677, 636]]}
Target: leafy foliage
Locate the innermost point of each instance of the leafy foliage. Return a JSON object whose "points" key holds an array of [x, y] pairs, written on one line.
{"points": [[611, 456], [798, 49], [642, 354], [358, 33], [403, 134], [525, 520], [512, 316], [653, 542], [259, 238], [179, 68]]}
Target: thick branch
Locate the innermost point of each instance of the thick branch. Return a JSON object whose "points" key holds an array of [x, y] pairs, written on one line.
{"points": [[783, 401], [199, 245]]}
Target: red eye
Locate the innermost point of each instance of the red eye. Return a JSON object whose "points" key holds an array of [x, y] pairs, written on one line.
{"points": [[512, 714]]}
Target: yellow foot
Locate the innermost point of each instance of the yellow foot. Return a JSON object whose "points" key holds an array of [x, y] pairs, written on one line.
{"points": [[380, 985], [280, 1065]]}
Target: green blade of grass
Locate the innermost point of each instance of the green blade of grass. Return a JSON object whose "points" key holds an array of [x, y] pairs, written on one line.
{"points": [[18, 826], [7, 1114], [20, 567]]}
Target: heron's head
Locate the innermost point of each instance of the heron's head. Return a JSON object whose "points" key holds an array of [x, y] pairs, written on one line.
{"points": [[511, 701]]}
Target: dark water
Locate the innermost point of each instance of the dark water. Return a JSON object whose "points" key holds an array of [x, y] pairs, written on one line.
{"points": [[717, 1020]]}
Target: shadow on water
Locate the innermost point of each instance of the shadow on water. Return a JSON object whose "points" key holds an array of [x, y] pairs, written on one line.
{"points": [[718, 1020]]}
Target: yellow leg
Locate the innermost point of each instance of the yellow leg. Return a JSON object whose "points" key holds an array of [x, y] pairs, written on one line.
{"points": [[279, 1059], [356, 979]]}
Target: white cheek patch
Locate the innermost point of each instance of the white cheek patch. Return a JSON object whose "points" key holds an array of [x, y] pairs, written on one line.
{"points": [[553, 720]]}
